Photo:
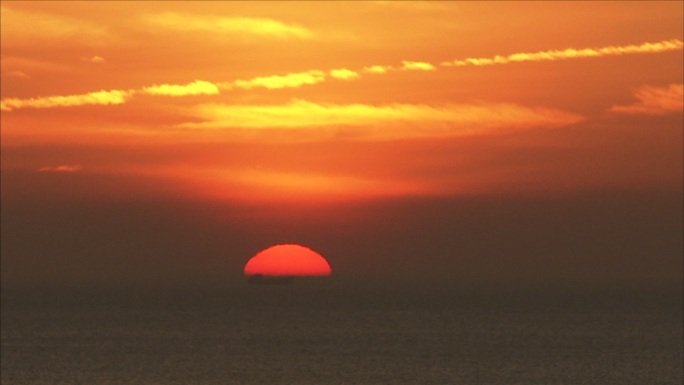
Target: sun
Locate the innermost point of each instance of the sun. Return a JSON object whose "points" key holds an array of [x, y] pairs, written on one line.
{"points": [[287, 260]]}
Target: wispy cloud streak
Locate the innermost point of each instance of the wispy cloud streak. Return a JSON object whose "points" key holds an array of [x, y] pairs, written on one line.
{"points": [[371, 122], [92, 98], [21, 27], [570, 53], [228, 25], [61, 168], [299, 79], [655, 101]]}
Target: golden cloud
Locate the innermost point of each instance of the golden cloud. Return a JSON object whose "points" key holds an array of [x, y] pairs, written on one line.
{"points": [[417, 66], [371, 122], [198, 87], [279, 81], [229, 25], [344, 74], [377, 69]]}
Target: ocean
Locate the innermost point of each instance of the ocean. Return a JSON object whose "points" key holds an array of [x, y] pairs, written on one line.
{"points": [[333, 332]]}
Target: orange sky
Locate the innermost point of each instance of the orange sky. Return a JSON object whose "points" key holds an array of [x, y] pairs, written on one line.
{"points": [[315, 104]]}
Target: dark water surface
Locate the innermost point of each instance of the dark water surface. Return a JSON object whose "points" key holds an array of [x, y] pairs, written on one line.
{"points": [[320, 333]]}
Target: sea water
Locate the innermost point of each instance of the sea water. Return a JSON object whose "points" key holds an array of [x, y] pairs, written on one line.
{"points": [[341, 334]]}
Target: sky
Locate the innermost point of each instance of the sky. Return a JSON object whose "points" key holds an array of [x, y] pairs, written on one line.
{"points": [[481, 142]]}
